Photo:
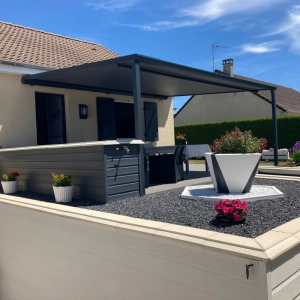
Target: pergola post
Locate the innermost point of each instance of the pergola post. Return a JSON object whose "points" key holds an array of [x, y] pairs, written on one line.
{"points": [[137, 100], [138, 121], [274, 121]]}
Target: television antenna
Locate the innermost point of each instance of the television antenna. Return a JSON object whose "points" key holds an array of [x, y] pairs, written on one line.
{"points": [[214, 48]]}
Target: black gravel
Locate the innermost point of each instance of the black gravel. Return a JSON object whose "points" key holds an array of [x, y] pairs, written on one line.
{"points": [[168, 207]]}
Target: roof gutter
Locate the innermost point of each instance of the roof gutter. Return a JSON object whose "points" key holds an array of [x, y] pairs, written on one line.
{"points": [[11, 63]]}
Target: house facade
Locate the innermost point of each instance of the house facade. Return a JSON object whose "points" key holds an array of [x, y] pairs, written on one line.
{"points": [[41, 115], [237, 106]]}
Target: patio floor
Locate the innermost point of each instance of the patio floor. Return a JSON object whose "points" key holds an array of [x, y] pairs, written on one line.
{"points": [[196, 175]]}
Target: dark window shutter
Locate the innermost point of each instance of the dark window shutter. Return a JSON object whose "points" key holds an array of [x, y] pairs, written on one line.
{"points": [[106, 119], [151, 121]]}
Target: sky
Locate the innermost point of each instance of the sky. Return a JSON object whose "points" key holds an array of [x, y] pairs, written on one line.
{"points": [[262, 36]]}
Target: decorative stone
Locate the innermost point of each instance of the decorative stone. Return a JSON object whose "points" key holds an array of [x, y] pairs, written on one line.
{"points": [[208, 193]]}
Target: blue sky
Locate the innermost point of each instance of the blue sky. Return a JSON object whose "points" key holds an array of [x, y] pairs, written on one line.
{"points": [[262, 36]]}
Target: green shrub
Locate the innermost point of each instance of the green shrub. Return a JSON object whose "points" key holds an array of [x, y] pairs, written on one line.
{"points": [[295, 156], [237, 141], [10, 176], [206, 133], [61, 179]]}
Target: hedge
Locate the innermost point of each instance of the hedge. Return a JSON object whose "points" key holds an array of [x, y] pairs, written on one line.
{"points": [[288, 129]]}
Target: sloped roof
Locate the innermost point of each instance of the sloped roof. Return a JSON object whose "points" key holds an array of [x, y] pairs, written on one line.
{"points": [[29, 46], [287, 99]]}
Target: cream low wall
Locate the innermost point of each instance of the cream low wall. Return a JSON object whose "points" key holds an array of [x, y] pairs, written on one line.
{"points": [[50, 251], [224, 107], [18, 118]]}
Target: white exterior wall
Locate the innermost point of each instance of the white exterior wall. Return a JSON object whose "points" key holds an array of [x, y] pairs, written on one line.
{"points": [[224, 107], [18, 117], [49, 251]]}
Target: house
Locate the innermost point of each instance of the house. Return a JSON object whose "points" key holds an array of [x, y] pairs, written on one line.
{"points": [[65, 110], [33, 115], [238, 106]]}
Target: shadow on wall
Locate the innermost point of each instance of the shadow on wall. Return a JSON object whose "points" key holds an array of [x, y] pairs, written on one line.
{"points": [[163, 112]]}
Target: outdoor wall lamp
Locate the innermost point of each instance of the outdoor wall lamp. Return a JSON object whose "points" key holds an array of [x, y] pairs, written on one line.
{"points": [[83, 111]]}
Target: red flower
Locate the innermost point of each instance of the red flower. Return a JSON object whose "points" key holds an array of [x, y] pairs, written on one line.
{"points": [[15, 174]]}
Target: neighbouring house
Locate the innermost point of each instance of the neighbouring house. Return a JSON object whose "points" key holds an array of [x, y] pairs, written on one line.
{"points": [[238, 105], [39, 115]]}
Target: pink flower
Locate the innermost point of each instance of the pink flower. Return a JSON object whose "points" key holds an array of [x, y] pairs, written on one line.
{"points": [[227, 202], [238, 206], [230, 210], [225, 211], [236, 217], [218, 206]]}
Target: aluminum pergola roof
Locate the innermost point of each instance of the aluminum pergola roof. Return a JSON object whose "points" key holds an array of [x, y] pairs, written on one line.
{"points": [[139, 75], [159, 79]]}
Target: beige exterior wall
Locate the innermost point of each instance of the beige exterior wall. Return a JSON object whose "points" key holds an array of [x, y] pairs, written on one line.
{"points": [[18, 119], [224, 107], [50, 251]]}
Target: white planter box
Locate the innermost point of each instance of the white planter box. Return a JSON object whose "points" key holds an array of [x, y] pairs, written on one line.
{"points": [[144, 259], [232, 173], [63, 193], [10, 187], [269, 155]]}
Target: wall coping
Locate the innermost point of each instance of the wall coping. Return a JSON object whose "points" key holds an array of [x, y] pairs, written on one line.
{"points": [[82, 144], [265, 247]]}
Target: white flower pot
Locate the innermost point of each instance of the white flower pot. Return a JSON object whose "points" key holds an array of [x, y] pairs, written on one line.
{"points": [[10, 187], [232, 173], [63, 193]]}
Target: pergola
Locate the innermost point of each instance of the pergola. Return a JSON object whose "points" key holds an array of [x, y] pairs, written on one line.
{"points": [[143, 76]]}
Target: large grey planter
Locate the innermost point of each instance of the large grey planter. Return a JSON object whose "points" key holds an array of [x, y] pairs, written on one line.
{"points": [[232, 173]]}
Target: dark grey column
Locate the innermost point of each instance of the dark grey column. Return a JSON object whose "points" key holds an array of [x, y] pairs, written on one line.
{"points": [[274, 121], [138, 121], [137, 100]]}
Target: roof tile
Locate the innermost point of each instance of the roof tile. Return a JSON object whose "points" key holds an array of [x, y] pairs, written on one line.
{"points": [[35, 47]]}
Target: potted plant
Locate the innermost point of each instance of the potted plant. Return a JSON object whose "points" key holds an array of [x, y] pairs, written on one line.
{"points": [[231, 210], [180, 139], [10, 183], [234, 160], [62, 187]]}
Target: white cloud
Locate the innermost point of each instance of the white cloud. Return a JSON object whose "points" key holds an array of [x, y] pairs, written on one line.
{"points": [[260, 48], [214, 9], [113, 5], [291, 28], [164, 25], [204, 11]]}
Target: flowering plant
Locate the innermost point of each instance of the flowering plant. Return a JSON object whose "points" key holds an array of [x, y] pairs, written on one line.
{"points": [[10, 176], [179, 136], [61, 179], [295, 147], [288, 163], [237, 141], [231, 209]]}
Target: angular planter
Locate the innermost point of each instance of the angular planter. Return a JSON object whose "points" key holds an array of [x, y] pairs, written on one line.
{"points": [[10, 187], [63, 193], [232, 173]]}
